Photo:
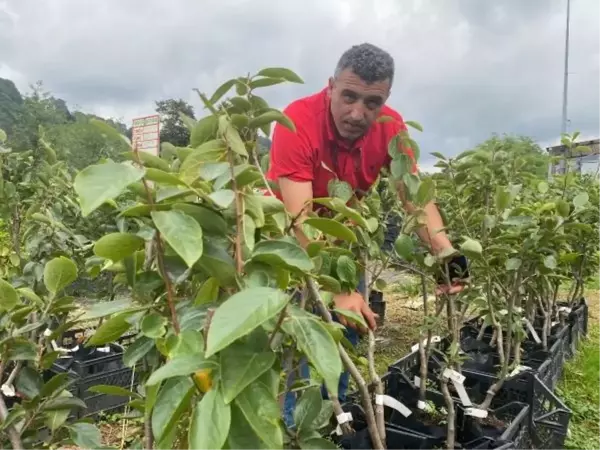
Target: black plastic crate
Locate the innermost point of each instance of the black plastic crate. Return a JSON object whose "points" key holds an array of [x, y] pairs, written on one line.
{"points": [[412, 432], [90, 369], [550, 418], [578, 325]]}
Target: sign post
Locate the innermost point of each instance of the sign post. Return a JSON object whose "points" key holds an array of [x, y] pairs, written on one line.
{"points": [[146, 134]]}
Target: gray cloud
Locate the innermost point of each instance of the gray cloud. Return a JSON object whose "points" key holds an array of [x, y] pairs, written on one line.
{"points": [[466, 68]]}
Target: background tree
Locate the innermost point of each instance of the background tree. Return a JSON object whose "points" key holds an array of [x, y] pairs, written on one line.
{"points": [[173, 129]]}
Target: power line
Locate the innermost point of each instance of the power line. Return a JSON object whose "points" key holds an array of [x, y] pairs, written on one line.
{"points": [[566, 74]]}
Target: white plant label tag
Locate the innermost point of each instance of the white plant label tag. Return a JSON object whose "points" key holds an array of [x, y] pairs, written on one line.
{"points": [[519, 369], [47, 332], [565, 309], [417, 381], [8, 390], [434, 340], [393, 403], [534, 334], [476, 412], [424, 406], [454, 376], [344, 417], [462, 393], [103, 349]]}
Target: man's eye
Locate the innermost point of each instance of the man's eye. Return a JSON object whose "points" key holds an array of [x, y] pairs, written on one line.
{"points": [[349, 98], [373, 104]]}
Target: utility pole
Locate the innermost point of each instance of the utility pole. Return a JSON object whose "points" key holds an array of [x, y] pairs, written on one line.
{"points": [[566, 74]]}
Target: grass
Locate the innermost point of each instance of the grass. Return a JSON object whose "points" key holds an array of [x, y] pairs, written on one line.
{"points": [[579, 389]]}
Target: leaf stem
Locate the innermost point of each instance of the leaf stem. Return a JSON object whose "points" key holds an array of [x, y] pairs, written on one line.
{"points": [[159, 250]]}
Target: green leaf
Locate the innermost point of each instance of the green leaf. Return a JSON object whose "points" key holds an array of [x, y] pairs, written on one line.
{"points": [[265, 82], [563, 208], [317, 443], [426, 192], [241, 435], [8, 296], [231, 136], [404, 246], [543, 187], [280, 72], [136, 351], [513, 264], [324, 417], [413, 124], [2, 136], [281, 253], [412, 183], [241, 313], [59, 403], [223, 198], [103, 309], [315, 341], [253, 207], [242, 363], [56, 419], [211, 420], [502, 198], [208, 292], [352, 316], [154, 325], [210, 221], [439, 156], [182, 233], [471, 247], [260, 408], [113, 390], [270, 205], [28, 382], [110, 330], [550, 262], [205, 130], [181, 365], [59, 273], [330, 284], [117, 246], [22, 350], [162, 177], [172, 401], [219, 93], [307, 409], [249, 230], [332, 228], [400, 165], [340, 189], [149, 160], [85, 435], [272, 116], [346, 269], [581, 200], [218, 263], [29, 295], [99, 183]]}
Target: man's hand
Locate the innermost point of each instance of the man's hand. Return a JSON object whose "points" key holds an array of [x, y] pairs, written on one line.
{"points": [[458, 272], [356, 303]]}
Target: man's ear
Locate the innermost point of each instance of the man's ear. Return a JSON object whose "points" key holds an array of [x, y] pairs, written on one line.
{"points": [[330, 86]]}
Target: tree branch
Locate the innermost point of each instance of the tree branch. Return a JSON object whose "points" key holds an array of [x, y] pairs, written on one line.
{"points": [[362, 386]]}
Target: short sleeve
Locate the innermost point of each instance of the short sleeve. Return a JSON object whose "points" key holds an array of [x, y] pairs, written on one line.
{"points": [[392, 129], [291, 152]]}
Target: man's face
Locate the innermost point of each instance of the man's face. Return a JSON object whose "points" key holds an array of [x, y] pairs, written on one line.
{"points": [[356, 104]]}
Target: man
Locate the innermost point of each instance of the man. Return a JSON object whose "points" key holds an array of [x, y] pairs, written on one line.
{"points": [[337, 135]]}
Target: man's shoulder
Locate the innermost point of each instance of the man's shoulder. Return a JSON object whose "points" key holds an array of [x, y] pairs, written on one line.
{"points": [[308, 109]]}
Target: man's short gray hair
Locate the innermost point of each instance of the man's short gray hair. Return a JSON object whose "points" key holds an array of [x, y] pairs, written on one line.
{"points": [[369, 62]]}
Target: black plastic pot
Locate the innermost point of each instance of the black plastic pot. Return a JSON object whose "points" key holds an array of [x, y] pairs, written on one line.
{"points": [[377, 305]]}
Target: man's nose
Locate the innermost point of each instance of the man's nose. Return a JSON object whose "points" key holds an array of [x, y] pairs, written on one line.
{"points": [[357, 113]]}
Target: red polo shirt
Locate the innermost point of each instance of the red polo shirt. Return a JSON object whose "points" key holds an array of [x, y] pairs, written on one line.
{"points": [[307, 154]]}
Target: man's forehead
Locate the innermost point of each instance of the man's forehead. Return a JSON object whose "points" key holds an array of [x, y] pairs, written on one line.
{"points": [[347, 80]]}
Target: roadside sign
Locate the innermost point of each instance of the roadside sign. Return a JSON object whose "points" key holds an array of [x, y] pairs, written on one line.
{"points": [[146, 134]]}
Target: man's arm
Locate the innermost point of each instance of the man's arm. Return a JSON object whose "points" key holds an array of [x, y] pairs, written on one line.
{"points": [[431, 234], [295, 195]]}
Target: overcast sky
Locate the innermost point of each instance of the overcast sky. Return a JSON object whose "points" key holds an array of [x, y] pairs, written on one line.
{"points": [[465, 68]]}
